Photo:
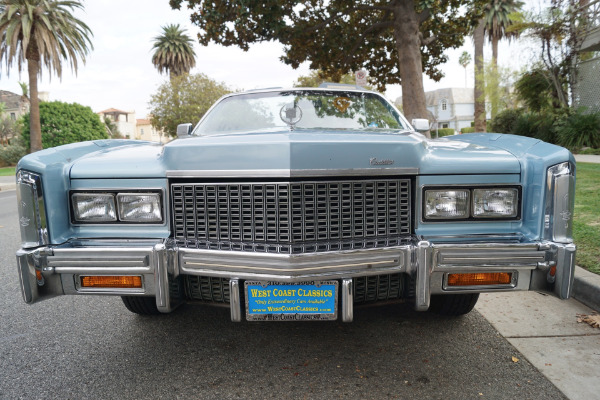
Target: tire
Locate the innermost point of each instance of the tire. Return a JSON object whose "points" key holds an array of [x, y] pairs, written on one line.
{"points": [[141, 305], [453, 305]]}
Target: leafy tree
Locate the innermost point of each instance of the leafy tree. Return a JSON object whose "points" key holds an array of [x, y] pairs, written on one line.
{"points": [[464, 60], [560, 30], [498, 87], [498, 19], [184, 99], [535, 89], [64, 123], [8, 129], [316, 78], [394, 40], [173, 51], [41, 32]]}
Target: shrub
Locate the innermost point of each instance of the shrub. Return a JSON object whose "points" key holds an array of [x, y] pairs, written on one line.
{"points": [[468, 129], [539, 126], [443, 132], [504, 121], [12, 153], [579, 130], [64, 123]]}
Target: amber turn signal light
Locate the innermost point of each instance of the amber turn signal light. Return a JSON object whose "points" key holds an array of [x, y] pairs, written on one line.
{"points": [[116, 282], [487, 278]]}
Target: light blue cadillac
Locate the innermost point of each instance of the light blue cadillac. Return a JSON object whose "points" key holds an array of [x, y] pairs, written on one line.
{"points": [[297, 205]]}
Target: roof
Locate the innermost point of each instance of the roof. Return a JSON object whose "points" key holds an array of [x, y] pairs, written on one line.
{"points": [[11, 100], [114, 111], [452, 95], [142, 121]]}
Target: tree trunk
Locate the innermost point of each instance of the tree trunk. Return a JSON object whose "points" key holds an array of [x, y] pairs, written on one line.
{"points": [[495, 88], [408, 44], [35, 127], [479, 92]]}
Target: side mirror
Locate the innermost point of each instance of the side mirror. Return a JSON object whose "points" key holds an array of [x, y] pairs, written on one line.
{"points": [[184, 130], [420, 124]]}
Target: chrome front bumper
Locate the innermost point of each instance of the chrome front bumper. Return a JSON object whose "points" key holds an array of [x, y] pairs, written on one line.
{"points": [[51, 271]]}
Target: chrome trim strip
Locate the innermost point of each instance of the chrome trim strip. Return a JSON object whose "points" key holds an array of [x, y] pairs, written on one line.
{"points": [[289, 173], [235, 304], [347, 310], [424, 270], [196, 262], [565, 270], [161, 280], [32, 210]]}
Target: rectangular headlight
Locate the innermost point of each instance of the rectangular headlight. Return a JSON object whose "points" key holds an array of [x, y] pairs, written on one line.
{"points": [[139, 207], [495, 203], [94, 207], [447, 204]]}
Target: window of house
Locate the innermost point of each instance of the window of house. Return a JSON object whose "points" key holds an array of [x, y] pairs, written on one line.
{"points": [[13, 116], [142, 131], [445, 126], [444, 104]]}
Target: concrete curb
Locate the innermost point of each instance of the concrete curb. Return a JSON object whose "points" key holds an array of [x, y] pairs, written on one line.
{"points": [[586, 288], [7, 186]]}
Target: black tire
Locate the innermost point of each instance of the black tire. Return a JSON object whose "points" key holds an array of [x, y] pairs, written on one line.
{"points": [[141, 305], [453, 305]]}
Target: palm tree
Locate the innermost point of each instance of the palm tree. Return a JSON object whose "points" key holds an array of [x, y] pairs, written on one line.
{"points": [[497, 18], [41, 32], [465, 60], [173, 51]]}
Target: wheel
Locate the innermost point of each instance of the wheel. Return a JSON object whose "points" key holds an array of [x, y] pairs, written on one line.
{"points": [[141, 305], [453, 304]]}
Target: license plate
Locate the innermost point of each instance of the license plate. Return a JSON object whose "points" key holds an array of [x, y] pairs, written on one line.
{"points": [[303, 301]]}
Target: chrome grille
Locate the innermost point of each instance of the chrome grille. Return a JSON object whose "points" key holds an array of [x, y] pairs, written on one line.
{"points": [[291, 217], [367, 289]]}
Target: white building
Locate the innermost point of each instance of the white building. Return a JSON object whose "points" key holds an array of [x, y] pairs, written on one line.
{"points": [[124, 120]]}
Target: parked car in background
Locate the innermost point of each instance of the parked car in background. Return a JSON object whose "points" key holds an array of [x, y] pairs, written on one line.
{"points": [[298, 204]]}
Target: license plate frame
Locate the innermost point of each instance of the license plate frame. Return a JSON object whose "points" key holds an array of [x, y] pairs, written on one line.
{"points": [[298, 301]]}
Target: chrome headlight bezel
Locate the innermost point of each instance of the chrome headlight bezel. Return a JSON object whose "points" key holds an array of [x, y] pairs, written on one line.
{"points": [[471, 215], [116, 198]]}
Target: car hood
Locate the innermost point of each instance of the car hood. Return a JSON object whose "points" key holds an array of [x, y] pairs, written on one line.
{"points": [[297, 150]]}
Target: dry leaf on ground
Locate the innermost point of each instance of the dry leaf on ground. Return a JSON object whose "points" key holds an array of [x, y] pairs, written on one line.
{"points": [[592, 320], [515, 359]]}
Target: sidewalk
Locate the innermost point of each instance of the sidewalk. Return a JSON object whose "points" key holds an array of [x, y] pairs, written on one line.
{"points": [[544, 329]]}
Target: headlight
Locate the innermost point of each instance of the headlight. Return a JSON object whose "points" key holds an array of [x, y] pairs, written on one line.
{"points": [[114, 207], [94, 207], [447, 204], [139, 207], [490, 203]]}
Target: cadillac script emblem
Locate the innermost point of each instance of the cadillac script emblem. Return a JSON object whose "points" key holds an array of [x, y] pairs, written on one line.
{"points": [[375, 161]]}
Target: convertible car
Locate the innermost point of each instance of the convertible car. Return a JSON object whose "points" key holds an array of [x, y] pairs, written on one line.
{"points": [[298, 204]]}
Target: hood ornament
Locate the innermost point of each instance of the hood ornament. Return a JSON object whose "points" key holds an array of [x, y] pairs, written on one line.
{"points": [[375, 161]]}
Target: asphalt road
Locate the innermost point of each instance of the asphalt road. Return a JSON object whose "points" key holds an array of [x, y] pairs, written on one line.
{"points": [[91, 347]]}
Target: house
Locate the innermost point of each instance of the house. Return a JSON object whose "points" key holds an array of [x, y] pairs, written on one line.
{"points": [[15, 105], [145, 131], [124, 121], [451, 108]]}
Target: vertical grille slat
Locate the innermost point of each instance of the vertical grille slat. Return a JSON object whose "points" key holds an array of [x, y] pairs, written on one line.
{"points": [[292, 217]]}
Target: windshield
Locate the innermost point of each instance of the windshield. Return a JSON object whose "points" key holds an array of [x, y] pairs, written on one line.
{"points": [[301, 109]]}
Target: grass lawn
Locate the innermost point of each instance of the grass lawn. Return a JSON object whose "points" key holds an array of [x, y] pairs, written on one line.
{"points": [[9, 171], [586, 224]]}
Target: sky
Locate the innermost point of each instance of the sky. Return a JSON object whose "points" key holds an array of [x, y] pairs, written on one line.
{"points": [[118, 72]]}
